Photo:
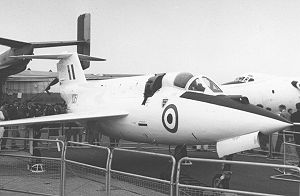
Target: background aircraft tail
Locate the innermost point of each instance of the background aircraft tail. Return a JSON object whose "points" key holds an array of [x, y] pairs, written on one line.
{"points": [[83, 41], [12, 43], [84, 35], [26, 48]]}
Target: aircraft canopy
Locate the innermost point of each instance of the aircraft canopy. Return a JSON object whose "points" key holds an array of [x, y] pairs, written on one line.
{"points": [[200, 84], [195, 83], [182, 79]]}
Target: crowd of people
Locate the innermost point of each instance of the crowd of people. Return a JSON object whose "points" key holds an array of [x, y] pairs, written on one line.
{"points": [[19, 110], [291, 116]]}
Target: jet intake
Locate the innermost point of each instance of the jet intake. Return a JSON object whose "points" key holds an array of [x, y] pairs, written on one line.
{"points": [[238, 144]]}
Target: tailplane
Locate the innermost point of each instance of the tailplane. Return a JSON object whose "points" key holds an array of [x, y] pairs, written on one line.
{"points": [[69, 67], [12, 43]]}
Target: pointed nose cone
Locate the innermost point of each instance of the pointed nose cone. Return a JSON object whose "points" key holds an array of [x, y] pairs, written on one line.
{"points": [[272, 122], [262, 119], [231, 117]]}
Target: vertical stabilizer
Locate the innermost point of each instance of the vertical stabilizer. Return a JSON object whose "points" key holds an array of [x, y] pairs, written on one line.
{"points": [[84, 35], [70, 71]]}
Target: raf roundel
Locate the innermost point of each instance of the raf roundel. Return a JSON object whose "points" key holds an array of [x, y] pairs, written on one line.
{"points": [[170, 118]]}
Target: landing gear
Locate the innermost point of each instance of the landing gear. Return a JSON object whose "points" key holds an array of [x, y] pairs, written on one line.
{"points": [[180, 152], [222, 180]]}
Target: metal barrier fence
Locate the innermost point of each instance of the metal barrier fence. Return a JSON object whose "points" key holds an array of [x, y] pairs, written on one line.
{"points": [[145, 185], [290, 157], [185, 189], [87, 177], [34, 175], [101, 171], [90, 174]]}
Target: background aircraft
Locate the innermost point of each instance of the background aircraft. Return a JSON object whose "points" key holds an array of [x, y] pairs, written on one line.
{"points": [[168, 108], [270, 91], [9, 66]]}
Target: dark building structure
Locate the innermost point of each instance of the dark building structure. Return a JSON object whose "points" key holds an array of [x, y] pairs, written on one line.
{"points": [[31, 86]]}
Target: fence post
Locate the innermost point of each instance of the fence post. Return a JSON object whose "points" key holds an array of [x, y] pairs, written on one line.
{"points": [[177, 175], [108, 168], [172, 176], [63, 169]]}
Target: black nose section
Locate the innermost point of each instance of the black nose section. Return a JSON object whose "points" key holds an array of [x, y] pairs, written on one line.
{"points": [[234, 102]]}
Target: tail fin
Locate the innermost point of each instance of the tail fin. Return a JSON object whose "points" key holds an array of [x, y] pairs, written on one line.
{"points": [[84, 35]]}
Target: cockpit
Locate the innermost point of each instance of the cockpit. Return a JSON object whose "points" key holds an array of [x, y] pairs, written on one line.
{"points": [[242, 79], [184, 80], [196, 83]]}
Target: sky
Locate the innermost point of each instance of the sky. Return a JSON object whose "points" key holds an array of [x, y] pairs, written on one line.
{"points": [[218, 38]]}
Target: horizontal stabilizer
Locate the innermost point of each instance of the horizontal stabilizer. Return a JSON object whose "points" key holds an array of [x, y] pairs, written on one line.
{"points": [[58, 57], [69, 117], [12, 43], [56, 44]]}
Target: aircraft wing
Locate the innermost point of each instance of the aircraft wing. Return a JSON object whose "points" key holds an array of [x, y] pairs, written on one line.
{"points": [[65, 118]]}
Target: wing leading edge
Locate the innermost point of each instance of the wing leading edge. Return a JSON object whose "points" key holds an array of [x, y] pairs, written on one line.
{"points": [[65, 118]]}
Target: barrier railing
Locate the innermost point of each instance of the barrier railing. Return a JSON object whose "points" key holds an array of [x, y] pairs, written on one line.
{"points": [[152, 183], [290, 157], [192, 188], [42, 172], [87, 172], [46, 175]]}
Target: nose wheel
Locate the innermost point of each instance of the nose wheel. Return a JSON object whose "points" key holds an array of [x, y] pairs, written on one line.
{"points": [[222, 180]]}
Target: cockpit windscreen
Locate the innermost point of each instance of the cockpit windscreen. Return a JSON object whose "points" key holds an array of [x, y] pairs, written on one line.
{"points": [[196, 85], [211, 85], [200, 84]]}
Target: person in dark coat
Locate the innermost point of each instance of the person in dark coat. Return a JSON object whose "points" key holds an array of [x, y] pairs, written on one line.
{"points": [[283, 113], [295, 117]]}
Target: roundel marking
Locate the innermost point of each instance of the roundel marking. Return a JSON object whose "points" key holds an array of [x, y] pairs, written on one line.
{"points": [[170, 118]]}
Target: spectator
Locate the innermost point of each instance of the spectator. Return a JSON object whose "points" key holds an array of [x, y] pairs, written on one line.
{"points": [[22, 113], [73, 131], [1, 128], [13, 115], [290, 111], [3, 108], [283, 113], [296, 118]]}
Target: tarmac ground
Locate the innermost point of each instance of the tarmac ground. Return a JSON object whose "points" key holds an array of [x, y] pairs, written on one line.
{"points": [[82, 181]]}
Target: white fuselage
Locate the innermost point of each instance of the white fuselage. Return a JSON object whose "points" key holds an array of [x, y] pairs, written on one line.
{"points": [[198, 122], [268, 91]]}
